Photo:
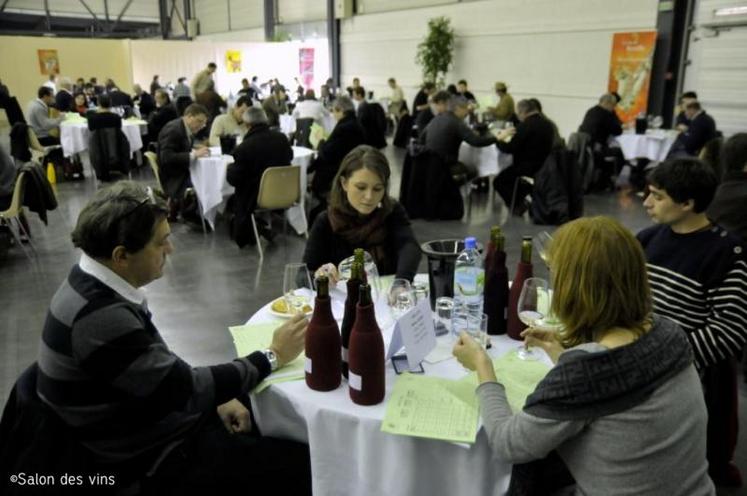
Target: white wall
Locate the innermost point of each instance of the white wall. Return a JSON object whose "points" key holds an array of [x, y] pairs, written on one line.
{"points": [[718, 67], [219, 16], [557, 51]]}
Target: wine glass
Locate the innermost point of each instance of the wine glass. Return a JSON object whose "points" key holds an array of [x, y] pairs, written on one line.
{"points": [[369, 266], [532, 308], [296, 287], [542, 243]]}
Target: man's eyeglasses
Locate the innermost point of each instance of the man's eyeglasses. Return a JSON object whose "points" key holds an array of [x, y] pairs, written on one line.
{"points": [[149, 199]]}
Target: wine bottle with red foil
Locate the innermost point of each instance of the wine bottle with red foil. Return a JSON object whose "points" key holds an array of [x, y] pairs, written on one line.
{"points": [[366, 358], [523, 271], [495, 303], [357, 277], [322, 343]]}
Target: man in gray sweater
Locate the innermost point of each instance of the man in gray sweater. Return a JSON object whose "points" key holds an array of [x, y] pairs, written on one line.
{"points": [[37, 115]]}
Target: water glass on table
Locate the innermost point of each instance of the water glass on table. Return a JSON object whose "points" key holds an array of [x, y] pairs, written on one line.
{"points": [[401, 297], [444, 309]]}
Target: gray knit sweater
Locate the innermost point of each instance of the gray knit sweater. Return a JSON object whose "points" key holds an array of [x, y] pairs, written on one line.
{"points": [[654, 448]]}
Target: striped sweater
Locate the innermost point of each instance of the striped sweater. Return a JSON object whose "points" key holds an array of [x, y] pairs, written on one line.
{"points": [[106, 371], [699, 280]]}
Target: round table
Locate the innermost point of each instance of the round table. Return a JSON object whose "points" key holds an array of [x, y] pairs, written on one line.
{"points": [[349, 453], [288, 123], [654, 145], [74, 135], [488, 160], [208, 176]]}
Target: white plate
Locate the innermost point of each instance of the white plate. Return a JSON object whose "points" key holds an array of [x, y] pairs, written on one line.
{"points": [[283, 315]]}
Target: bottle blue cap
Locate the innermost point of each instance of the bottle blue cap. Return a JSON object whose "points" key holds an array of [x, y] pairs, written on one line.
{"points": [[470, 243]]}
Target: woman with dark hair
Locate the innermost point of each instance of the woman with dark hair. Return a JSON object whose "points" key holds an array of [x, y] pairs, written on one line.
{"points": [[80, 104], [623, 405], [362, 215]]}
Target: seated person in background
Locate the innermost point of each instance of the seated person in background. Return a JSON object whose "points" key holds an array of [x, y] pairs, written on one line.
{"points": [[601, 123], [80, 105], [155, 85], [64, 100], [462, 90], [372, 119], [698, 275], [212, 101], [701, 130], [437, 103], [682, 122], [182, 88], [119, 97], [623, 401], [176, 151], [275, 105], [504, 111], [445, 133], [356, 84], [106, 372], [346, 135], [729, 206], [231, 123], [362, 215], [260, 149], [90, 91], [144, 101], [104, 117], [310, 108], [80, 83], [37, 116], [8, 173], [421, 103], [530, 144], [165, 113]]}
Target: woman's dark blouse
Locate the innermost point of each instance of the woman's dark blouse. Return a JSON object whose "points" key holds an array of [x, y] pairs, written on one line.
{"points": [[324, 246]]}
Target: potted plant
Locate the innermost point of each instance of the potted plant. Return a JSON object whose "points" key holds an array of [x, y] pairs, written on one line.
{"points": [[436, 51]]}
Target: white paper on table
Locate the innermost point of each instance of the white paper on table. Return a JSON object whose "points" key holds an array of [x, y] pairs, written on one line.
{"points": [[442, 352], [415, 331]]}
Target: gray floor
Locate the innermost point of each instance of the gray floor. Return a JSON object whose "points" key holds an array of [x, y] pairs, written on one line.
{"points": [[210, 284]]}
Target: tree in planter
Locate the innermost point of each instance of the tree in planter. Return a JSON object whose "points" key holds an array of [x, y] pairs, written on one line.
{"points": [[436, 51]]}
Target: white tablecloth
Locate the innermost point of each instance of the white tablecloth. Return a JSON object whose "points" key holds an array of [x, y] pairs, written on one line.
{"points": [[349, 453], [208, 176], [74, 135], [654, 145], [288, 123], [488, 159]]}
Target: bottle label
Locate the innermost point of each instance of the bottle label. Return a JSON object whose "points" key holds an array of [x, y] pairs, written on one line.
{"points": [[307, 365], [469, 281], [355, 381], [344, 354]]}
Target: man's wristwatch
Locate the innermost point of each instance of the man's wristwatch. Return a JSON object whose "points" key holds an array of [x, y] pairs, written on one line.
{"points": [[272, 358]]}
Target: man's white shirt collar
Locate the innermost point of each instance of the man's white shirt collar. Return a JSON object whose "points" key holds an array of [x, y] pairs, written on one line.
{"points": [[111, 279]]}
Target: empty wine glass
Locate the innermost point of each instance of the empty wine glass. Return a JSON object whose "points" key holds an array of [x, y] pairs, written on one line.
{"points": [[297, 287], [532, 308], [369, 266], [542, 244]]}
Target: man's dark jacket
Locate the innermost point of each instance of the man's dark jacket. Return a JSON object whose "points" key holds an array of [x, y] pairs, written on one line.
{"points": [[600, 124], [702, 130], [174, 147], [64, 101], [161, 117], [729, 206], [260, 149], [346, 135], [531, 144]]}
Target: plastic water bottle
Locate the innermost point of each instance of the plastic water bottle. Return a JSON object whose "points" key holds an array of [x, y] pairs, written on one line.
{"points": [[469, 279]]}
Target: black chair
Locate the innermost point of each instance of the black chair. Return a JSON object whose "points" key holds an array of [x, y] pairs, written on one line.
{"points": [[428, 190], [109, 151], [303, 131]]}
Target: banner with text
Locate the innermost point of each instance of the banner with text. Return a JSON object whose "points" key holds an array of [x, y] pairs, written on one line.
{"points": [[630, 71]]}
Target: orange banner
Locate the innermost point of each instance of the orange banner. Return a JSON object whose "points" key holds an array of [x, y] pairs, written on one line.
{"points": [[630, 71]]}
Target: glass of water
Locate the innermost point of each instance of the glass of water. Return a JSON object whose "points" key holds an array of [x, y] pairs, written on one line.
{"points": [[474, 325], [296, 287], [444, 309]]}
